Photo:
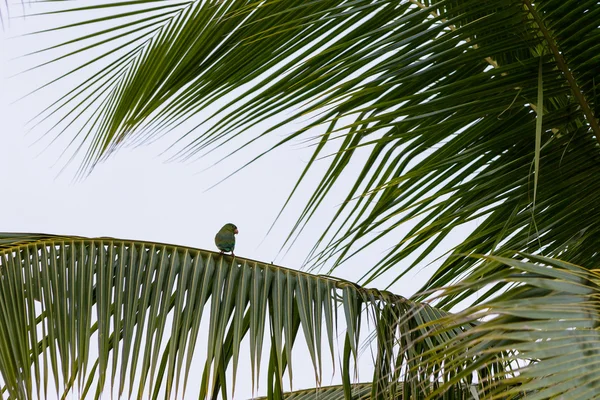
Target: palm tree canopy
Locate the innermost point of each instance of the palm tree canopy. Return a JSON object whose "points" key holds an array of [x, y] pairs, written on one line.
{"points": [[464, 111], [467, 110]]}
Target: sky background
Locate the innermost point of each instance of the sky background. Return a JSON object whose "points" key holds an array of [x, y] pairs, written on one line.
{"points": [[136, 194]]}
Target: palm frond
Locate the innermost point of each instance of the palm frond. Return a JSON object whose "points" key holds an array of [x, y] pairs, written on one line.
{"points": [[460, 146], [546, 312], [534, 337], [141, 305], [442, 95]]}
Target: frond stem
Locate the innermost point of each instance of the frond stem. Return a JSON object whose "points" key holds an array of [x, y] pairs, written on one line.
{"points": [[562, 65]]}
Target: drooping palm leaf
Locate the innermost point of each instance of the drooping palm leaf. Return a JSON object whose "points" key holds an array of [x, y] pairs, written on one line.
{"points": [[443, 94], [536, 338], [482, 157], [60, 296], [547, 315]]}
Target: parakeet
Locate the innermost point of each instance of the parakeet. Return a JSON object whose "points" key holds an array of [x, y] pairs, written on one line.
{"points": [[225, 238]]}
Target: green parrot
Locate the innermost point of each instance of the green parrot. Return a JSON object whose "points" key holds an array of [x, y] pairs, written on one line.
{"points": [[225, 238]]}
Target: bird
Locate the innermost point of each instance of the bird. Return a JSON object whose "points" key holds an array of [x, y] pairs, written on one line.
{"points": [[225, 238]]}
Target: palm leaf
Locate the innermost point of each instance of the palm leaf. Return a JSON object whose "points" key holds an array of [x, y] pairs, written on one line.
{"points": [[546, 314], [440, 96], [62, 295]]}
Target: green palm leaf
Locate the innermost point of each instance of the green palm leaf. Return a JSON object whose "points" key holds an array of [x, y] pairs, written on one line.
{"points": [[546, 313], [62, 295], [439, 95], [464, 111]]}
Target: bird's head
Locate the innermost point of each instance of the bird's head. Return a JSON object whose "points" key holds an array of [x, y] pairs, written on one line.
{"points": [[231, 228]]}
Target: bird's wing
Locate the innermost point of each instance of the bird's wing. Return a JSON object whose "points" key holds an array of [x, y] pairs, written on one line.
{"points": [[225, 241]]}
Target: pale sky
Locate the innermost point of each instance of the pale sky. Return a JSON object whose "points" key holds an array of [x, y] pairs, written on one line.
{"points": [[137, 195]]}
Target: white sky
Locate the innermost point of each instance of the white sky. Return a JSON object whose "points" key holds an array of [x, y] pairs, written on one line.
{"points": [[137, 195]]}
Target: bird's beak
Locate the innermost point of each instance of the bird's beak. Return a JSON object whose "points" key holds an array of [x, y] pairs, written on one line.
{"points": [[235, 232]]}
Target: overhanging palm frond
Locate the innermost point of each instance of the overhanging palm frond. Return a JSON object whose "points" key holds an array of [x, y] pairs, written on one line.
{"points": [[443, 93], [461, 141], [546, 312], [61, 295]]}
